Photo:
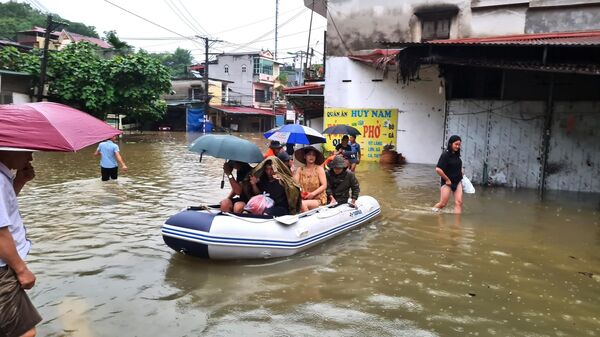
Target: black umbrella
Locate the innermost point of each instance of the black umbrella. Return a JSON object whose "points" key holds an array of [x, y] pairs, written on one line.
{"points": [[341, 129]]}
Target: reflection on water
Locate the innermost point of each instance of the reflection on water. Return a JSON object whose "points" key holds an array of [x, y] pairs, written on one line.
{"points": [[511, 265]]}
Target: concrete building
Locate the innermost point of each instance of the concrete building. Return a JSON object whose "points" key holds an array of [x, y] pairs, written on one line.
{"points": [[35, 38], [254, 77], [15, 87], [518, 80]]}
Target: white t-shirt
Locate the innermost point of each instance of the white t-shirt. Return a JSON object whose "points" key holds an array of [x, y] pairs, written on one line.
{"points": [[9, 213]]}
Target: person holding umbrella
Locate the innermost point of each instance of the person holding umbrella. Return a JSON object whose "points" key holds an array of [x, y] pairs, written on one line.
{"points": [[311, 177], [42, 126], [237, 199], [18, 316]]}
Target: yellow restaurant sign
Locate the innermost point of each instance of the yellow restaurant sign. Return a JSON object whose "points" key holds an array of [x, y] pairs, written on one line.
{"points": [[377, 128]]}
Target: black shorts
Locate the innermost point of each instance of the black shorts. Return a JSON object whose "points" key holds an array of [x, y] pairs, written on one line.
{"points": [[107, 173], [17, 313], [453, 185], [237, 199]]}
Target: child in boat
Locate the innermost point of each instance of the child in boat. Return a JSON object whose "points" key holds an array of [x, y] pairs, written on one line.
{"points": [[340, 181]]}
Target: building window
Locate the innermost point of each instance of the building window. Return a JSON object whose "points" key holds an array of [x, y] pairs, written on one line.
{"points": [[197, 93], [262, 66], [436, 23], [243, 68], [259, 96], [435, 29], [226, 69]]}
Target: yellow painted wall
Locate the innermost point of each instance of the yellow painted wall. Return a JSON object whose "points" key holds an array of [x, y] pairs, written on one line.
{"points": [[377, 128]]}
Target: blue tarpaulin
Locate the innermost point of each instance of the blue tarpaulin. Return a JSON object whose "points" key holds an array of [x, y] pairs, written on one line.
{"points": [[195, 119]]}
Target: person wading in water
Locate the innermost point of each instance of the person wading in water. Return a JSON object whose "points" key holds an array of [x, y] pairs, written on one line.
{"points": [[449, 168]]}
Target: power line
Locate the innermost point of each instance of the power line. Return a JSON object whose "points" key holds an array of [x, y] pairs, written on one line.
{"points": [[192, 17], [272, 30], [182, 17], [40, 5], [151, 22], [256, 22], [336, 29], [287, 35], [34, 5]]}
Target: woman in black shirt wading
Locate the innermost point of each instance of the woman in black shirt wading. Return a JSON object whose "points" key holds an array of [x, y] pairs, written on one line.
{"points": [[449, 168]]}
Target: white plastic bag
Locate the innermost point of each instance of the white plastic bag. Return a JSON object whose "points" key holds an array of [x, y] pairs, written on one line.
{"points": [[258, 204], [467, 185]]}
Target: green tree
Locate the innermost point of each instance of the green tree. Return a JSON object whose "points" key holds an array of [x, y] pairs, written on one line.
{"points": [[138, 81], [121, 47], [177, 62], [283, 78], [79, 77], [12, 59], [16, 16]]}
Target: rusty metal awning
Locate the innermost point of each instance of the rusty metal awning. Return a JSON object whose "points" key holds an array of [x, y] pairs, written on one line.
{"points": [[571, 39]]}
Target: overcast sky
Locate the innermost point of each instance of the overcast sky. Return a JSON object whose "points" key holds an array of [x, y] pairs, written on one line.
{"points": [[243, 25]]}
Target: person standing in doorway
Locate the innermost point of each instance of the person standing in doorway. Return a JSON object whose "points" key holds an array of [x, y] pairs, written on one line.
{"points": [[18, 316], [449, 168], [110, 158]]}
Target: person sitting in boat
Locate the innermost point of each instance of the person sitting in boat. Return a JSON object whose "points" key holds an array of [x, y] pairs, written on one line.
{"points": [[340, 181], [287, 160], [311, 177], [272, 176], [274, 148], [237, 199]]}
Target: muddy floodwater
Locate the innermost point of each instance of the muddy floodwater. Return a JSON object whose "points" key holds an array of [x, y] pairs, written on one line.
{"points": [[511, 265]]}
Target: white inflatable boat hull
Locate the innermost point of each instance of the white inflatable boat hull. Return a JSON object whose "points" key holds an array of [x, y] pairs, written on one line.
{"points": [[215, 235]]}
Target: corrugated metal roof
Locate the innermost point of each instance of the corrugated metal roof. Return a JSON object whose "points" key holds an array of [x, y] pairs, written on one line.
{"points": [[244, 110], [99, 42], [303, 88], [588, 38]]}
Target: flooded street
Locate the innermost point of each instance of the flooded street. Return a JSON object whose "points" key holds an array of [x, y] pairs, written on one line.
{"points": [[511, 265]]}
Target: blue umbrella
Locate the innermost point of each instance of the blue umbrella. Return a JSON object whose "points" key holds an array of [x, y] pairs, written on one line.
{"points": [[227, 147], [295, 134]]}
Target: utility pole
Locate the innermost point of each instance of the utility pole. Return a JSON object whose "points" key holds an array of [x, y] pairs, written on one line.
{"points": [[206, 42], [312, 11], [324, 51], [276, 18], [50, 27]]}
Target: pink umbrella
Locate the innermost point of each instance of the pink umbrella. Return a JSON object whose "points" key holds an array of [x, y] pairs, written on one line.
{"points": [[47, 126]]}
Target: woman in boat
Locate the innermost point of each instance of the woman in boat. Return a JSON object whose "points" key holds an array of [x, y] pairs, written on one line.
{"points": [[237, 199], [311, 177]]}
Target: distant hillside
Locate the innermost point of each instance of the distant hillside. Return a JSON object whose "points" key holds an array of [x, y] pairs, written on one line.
{"points": [[15, 17]]}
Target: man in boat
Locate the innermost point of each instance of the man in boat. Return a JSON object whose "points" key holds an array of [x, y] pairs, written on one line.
{"points": [[237, 199], [18, 316], [272, 176], [340, 182], [274, 149]]}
